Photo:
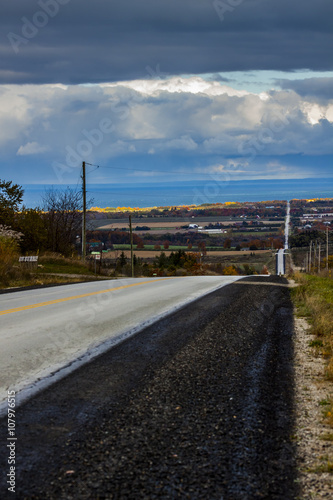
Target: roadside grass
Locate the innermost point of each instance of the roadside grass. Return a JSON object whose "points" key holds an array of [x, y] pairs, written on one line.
{"points": [[314, 300], [328, 436], [23, 275], [325, 466], [38, 280], [57, 264]]}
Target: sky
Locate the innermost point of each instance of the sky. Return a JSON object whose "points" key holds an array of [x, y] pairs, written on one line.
{"points": [[165, 90]]}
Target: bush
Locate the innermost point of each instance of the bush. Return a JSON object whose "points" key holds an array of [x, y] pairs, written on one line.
{"points": [[9, 255], [230, 271]]}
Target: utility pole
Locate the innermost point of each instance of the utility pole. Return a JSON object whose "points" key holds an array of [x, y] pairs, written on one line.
{"points": [[310, 257], [84, 196], [131, 235], [319, 258]]}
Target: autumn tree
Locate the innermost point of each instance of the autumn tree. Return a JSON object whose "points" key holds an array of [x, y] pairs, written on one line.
{"points": [[202, 247]]}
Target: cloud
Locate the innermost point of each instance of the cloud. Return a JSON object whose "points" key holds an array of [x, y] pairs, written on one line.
{"points": [[31, 148], [183, 122], [317, 88], [80, 41]]}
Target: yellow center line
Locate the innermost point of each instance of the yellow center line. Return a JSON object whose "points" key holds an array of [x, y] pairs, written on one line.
{"points": [[74, 297]]}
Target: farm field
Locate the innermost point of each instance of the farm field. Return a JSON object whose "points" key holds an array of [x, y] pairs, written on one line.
{"points": [[170, 223], [146, 254]]}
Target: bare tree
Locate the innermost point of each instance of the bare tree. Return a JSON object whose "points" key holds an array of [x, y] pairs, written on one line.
{"points": [[63, 217]]}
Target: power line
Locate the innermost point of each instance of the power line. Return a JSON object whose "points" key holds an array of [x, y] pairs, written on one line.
{"points": [[91, 171], [150, 171]]}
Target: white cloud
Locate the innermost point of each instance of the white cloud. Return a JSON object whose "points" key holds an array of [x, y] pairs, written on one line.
{"points": [[31, 148], [316, 112], [198, 120], [192, 85]]}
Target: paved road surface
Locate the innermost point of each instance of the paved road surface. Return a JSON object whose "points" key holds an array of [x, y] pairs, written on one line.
{"points": [[46, 333], [280, 263], [196, 406], [286, 227]]}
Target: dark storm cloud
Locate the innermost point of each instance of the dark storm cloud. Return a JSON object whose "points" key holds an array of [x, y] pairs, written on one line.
{"points": [[319, 88], [75, 41]]}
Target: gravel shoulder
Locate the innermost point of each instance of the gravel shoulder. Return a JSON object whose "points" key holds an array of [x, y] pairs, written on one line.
{"points": [[312, 390], [199, 405]]}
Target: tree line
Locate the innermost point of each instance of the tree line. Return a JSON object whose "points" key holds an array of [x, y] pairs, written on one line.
{"points": [[55, 226]]}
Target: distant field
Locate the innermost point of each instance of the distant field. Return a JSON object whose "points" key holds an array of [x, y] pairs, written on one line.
{"points": [[172, 248], [255, 233], [165, 223], [125, 246], [151, 254]]}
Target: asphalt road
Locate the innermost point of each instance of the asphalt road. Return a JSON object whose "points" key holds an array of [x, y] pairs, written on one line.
{"points": [[46, 333], [286, 227], [280, 262], [198, 405], [282, 252]]}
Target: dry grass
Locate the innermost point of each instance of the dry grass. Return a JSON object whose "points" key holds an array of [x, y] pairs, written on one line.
{"points": [[314, 299]]}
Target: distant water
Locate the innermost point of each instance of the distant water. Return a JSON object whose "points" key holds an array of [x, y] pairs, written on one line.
{"points": [[188, 193]]}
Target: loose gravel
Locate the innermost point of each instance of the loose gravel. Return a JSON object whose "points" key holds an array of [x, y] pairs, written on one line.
{"points": [[314, 437], [197, 406]]}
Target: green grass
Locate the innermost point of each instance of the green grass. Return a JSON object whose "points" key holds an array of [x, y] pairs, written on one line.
{"points": [[61, 265], [151, 247], [316, 343], [256, 234]]}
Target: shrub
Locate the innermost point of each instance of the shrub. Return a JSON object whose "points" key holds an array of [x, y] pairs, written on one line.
{"points": [[230, 271], [9, 255]]}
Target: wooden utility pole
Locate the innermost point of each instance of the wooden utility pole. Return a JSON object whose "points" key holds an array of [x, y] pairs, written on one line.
{"points": [[131, 235], [84, 201], [310, 256], [319, 248]]}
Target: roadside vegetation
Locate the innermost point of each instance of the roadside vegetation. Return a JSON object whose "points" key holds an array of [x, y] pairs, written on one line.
{"points": [[54, 263], [51, 269], [314, 301]]}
